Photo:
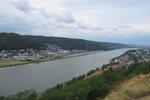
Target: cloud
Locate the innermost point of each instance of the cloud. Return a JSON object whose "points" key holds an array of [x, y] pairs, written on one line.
{"points": [[46, 14], [82, 25], [122, 3], [65, 16], [125, 27], [15, 24], [22, 5], [114, 29]]}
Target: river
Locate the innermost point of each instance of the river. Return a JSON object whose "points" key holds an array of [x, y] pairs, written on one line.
{"points": [[44, 75]]}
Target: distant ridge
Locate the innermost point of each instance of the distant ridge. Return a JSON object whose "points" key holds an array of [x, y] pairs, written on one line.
{"points": [[11, 41]]}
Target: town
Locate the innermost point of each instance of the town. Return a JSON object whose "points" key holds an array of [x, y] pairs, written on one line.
{"points": [[51, 51], [123, 61]]}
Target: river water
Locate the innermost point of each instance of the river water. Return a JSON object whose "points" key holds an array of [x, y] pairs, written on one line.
{"points": [[44, 75]]}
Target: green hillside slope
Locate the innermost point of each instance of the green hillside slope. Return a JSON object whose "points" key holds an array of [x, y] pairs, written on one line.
{"points": [[78, 44], [11, 41]]}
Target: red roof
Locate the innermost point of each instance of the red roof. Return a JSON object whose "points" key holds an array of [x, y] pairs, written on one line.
{"points": [[98, 73], [88, 77]]}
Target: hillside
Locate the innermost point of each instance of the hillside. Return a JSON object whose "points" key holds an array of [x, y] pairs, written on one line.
{"points": [[10, 41], [78, 44], [136, 88], [98, 87]]}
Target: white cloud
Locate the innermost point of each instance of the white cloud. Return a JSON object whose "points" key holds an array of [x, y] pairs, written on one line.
{"points": [[22, 5], [65, 16]]}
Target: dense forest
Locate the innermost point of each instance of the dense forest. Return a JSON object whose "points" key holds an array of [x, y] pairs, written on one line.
{"points": [[95, 88], [11, 41], [77, 44]]}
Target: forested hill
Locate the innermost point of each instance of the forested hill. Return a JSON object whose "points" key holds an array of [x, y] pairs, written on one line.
{"points": [[13, 41], [78, 44], [9, 41]]}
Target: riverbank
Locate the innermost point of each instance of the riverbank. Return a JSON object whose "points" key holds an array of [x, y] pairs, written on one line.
{"points": [[4, 65]]}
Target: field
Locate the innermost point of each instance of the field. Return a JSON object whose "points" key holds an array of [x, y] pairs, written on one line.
{"points": [[17, 63], [12, 63]]}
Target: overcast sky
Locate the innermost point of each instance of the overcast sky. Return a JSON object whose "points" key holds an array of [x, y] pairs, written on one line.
{"points": [[123, 21]]}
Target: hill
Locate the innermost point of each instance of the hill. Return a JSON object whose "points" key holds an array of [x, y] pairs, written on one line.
{"points": [[77, 44], [136, 88], [11, 41]]}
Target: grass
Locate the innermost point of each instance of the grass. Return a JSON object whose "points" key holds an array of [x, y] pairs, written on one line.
{"points": [[12, 63], [136, 88], [17, 63]]}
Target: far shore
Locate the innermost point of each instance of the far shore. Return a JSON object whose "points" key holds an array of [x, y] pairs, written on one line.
{"points": [[15, 66], [48, 59]]}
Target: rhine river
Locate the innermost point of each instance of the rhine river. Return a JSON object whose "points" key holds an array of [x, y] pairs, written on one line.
{"points": [[44, 75]]}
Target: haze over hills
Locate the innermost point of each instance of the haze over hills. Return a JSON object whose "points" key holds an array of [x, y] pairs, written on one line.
{"points": [[11, 41]]}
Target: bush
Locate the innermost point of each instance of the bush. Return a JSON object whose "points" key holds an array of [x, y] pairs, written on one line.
{"points": [[25, 95]]}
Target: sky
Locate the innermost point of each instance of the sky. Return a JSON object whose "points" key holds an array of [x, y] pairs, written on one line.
{"points": [[120, 21]]}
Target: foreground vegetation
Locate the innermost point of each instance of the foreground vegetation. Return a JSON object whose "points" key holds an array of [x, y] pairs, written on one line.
{"points": [[91, 89], [136, 88]]}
